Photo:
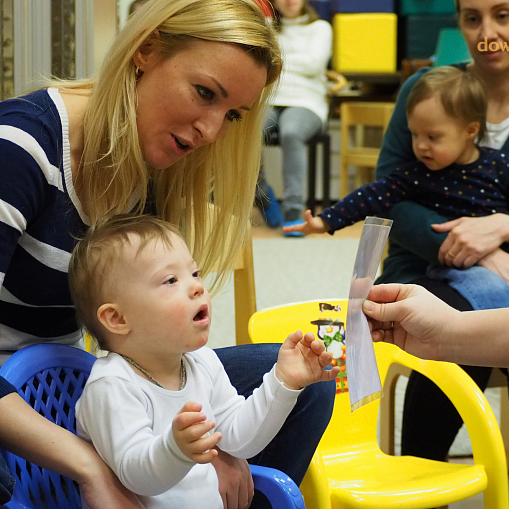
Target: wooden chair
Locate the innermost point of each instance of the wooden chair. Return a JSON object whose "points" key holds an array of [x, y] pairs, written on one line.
{"points": [[360, 115]]}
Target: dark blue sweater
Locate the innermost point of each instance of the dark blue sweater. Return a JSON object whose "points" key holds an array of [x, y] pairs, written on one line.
{"points": [[40, 219], [477, 189]]}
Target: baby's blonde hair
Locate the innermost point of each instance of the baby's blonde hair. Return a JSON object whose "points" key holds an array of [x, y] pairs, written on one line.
{"points": [[462, 95], [95, 255], [113, 170]]}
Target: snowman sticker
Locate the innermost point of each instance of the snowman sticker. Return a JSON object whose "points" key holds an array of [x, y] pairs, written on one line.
{"points": [[332, 333]]}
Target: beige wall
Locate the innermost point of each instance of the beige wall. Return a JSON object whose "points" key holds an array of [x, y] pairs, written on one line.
{"points": [[105, 25]]}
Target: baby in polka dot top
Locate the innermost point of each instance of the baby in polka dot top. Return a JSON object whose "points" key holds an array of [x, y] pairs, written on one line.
{"points": [[446, 112]]}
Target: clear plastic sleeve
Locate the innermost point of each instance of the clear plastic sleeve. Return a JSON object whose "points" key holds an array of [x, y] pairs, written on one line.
{"points": [[363, 379]]}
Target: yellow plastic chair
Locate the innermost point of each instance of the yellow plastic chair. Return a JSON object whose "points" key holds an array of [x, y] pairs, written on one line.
{"points": [[349, 470], [388, 406]]}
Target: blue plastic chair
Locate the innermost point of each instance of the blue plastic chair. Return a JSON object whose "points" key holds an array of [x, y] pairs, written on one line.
{"points": [[51, 378]]}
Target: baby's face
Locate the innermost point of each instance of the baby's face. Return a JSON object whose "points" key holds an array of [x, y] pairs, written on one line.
{"points": [[162, 296], [439, 140]]}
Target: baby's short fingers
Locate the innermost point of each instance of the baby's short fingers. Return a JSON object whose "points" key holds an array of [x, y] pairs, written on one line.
{"points": [[186, 419], [294, 228], [205, 457], [196, 431], [324, 359], [205, 444], [317, 346], [330, 374]]}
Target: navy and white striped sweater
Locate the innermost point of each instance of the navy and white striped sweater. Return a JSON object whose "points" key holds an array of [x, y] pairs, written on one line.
{"points": [[40, 219]]}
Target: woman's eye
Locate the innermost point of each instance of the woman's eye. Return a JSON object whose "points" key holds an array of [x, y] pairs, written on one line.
{"points": [[504, 16], [205, 93], [171, 281], [233, 116], [470, 19], [432, 137]]}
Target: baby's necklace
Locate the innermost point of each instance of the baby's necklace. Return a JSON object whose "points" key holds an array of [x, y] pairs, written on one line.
{"points": [[152, 379]]}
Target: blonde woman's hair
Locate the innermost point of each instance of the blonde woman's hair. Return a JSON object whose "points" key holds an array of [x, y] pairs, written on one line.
{"points": [[113, 169], [462, 94], [95, 255]]}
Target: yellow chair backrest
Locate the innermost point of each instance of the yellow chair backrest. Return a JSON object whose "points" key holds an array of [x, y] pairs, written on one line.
{"points": [[349, 469]]}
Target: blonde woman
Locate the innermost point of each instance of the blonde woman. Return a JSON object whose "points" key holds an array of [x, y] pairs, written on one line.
{"points": [[172, 121]]}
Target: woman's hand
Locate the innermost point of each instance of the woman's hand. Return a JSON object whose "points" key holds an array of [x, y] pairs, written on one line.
{"points": [[470, 239], [497, 262], [28, 434], [411, 318], [235, 481]]}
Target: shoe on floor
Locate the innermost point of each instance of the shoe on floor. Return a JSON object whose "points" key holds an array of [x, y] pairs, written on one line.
{"points": [[272, 213], [293, 223]]}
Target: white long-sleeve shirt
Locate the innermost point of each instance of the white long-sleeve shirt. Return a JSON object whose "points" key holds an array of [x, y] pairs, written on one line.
{"points": [[307, 49], [129, 421]]}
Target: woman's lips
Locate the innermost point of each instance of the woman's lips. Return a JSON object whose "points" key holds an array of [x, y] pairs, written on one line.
{"points": [[179, 146]]}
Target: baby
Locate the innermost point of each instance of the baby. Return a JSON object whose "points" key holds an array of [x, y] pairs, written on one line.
{"points": [[446, 112], [160, 402]]}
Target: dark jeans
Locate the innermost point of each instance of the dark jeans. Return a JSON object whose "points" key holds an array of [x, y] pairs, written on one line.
{"points": [[293, 447], [430, 421], [6, 483]]}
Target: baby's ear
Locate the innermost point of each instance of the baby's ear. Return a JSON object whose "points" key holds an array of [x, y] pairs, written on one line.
{"points": [[473, 129], [112, 318]]}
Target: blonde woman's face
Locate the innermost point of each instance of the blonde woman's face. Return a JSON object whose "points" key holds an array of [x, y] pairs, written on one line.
{"points": [[486, 21], [190, 99], [290, 9]]}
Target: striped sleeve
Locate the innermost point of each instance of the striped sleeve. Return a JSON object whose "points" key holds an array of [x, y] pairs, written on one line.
{"points": [[6, 387]]}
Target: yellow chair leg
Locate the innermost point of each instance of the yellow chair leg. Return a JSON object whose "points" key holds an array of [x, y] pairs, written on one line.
{"points": [[315, 486]]}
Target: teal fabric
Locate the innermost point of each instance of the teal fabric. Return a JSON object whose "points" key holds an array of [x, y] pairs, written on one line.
{"points": [[418, 34], [413, 243], [407, 7], [451, 48]]}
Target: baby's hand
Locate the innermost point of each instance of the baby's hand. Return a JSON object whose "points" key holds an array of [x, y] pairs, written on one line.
{"points": [[312, 225], [191, 433], [301, 361]]}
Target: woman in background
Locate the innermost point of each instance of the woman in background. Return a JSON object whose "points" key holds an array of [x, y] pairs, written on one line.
{"points": [[300, 107], [420, 237]]}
